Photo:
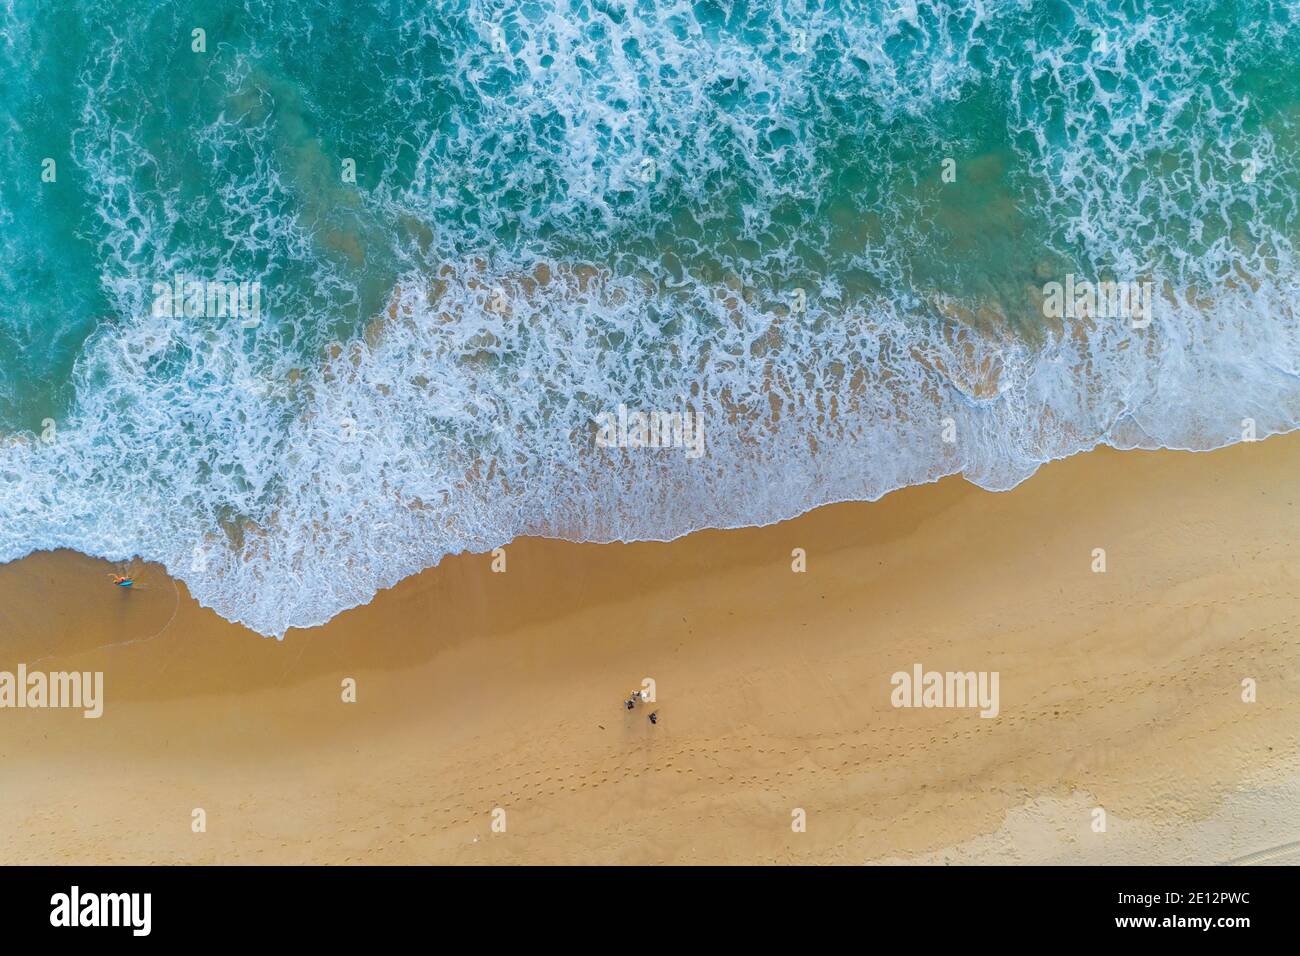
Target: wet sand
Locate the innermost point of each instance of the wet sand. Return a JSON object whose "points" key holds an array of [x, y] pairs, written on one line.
{"points": [[480, 692]]}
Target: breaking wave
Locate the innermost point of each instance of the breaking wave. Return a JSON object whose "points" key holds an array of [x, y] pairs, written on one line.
{"points": [[564, 207]]}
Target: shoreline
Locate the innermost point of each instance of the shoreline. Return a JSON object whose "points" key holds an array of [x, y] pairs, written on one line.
{"points": [[479, 690]]}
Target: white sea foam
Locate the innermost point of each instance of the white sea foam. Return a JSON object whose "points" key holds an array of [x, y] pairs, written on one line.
{"points": [[460, 428], [306, 479]]}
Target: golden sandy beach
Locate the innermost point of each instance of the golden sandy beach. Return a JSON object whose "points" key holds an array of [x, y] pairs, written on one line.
{"points": [[479, 690]]}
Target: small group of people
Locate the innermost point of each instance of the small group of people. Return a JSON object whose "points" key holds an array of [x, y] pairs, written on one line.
{"points": [[635, 698]]}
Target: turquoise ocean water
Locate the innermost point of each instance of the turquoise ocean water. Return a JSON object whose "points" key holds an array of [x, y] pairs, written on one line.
{"points": [[561, 207]]}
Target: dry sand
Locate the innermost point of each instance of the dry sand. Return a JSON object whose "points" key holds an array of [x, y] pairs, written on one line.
{"points": [[481, 690]]}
